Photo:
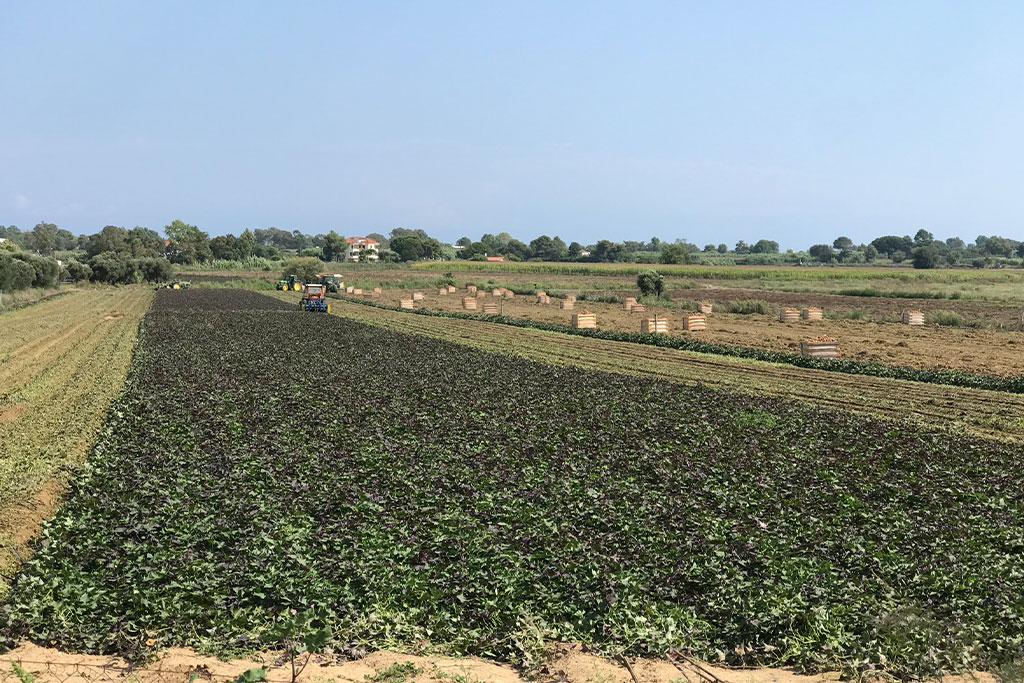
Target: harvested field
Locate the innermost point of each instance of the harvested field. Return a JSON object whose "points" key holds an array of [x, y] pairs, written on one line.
{"points": [[420, 516], [62, 362], [983, 351]]}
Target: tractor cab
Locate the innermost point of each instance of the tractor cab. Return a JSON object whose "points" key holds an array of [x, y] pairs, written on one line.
{"points": [[314, 298]]}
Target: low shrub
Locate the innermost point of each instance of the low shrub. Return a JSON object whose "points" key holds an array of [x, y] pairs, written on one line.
{"points": [[945, 318], [747, 307]]}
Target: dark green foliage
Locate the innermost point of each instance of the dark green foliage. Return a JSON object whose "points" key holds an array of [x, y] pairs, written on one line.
{"points": [[20, 270], [960, 378], [479, 502], [114, 268], [15, 273], [155, 269], [77, 271], [306, 269], [650, 283]]}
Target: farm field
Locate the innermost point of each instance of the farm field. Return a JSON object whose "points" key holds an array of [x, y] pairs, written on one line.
{"points": [[987, 413], [421, 493], [986, 352], [61, 363]]}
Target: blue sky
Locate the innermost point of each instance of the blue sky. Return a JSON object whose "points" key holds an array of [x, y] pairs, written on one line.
{"points": [[711, 121]]}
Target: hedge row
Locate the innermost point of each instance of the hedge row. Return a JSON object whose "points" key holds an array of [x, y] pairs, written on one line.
{"points": [[957, 378]]}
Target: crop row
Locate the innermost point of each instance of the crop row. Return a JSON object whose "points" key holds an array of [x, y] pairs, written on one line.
{"points": [[730, 272], [956, 378], [414, 491]]}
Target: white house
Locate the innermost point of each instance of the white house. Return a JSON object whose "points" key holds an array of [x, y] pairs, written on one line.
{"points": [[358, 245]]}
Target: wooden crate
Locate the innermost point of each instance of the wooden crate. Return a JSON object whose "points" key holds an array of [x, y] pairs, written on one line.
{"points": [[442, 291], [498, 291], [655, 325], [378, 290], [913, 318], [357, 291], [451, 289], [509, 294], [469, 303], [704, 307], [543, 299], [567, 304], [375, 294], [407, 304], [480, 294], [789, 315], [417, 296], [584, 321], [570, 297], [628, 303], [350, 290], [820, 347], [471, 289], [695, 322], [491, 309], [637, 308], [812, 313]]}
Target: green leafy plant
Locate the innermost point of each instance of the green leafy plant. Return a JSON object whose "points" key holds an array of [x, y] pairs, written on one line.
{"points": [[399, 672], [23, 676]]}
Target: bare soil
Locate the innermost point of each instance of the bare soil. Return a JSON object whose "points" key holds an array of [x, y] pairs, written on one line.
{"points": [[984, 351], [565, 662]]}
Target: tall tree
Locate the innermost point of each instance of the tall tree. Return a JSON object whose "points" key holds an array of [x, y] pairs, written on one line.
{"points": [[189, 244], [334, 246]]}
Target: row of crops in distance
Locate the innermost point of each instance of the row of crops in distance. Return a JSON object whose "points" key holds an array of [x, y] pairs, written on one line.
{"points": [[479, 503], [729, 272]]}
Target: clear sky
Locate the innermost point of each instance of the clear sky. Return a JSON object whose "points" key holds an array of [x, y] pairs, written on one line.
{"points": [[712, 121]]}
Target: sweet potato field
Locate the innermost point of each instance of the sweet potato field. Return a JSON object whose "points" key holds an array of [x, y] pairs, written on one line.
{"points": [[419, 493]]}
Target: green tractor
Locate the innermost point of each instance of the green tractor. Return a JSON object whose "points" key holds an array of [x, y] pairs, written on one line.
{"points": [[291, 283], [331, 282]]}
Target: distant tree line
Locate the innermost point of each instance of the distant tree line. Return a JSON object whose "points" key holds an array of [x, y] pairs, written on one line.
{"points": [[47, 254]]}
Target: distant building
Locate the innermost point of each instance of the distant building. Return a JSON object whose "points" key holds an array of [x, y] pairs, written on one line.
{"points": [[584, 252], [358, 245], [496, 259]]}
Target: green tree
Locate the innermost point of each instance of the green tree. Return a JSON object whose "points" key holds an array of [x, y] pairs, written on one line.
{"points": [[822, 252], [335, 247], [43, 238], [408, 247], [887, 244], [870, 253], [765, 247], [926, 257], [606, 250], [114, 268], [77, 271], [923, 237], [110, 238], [305, 268], [189, 245], [723, 248], [651, 282], [674, 253]]}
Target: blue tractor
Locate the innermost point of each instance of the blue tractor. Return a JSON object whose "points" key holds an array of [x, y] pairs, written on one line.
{"points": [[314, 298]]}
